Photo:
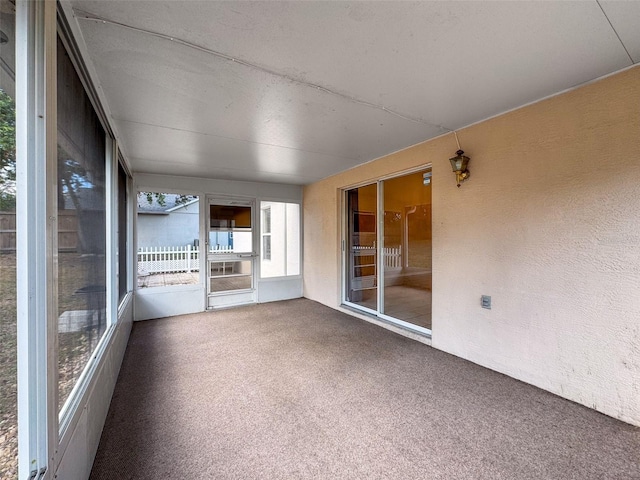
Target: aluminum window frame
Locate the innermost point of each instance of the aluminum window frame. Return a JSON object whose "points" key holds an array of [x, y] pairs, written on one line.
{"points": [[44, 432], [265, 233], [36, 165], [124, 277], [69, 413]]}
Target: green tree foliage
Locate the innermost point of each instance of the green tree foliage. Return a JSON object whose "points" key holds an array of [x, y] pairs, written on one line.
{"points": [[161, 198], [7, 152]]}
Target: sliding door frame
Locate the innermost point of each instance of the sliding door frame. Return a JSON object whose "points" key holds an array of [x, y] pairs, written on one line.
{"points": [[344, 227]]}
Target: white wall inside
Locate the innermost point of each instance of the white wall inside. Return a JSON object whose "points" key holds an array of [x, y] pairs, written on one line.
{"points": [[294, 240], [159, 302]]}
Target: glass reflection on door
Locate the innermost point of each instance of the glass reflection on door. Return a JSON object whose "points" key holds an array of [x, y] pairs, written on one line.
{"points": [[230, 248], [362, 254], [406, 249], [388, 248]]}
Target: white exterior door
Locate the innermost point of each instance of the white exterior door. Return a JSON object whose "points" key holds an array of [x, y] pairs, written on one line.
{"points": [[231, 252]]}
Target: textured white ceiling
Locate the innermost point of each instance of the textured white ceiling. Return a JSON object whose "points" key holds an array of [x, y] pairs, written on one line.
{"points": [[293, 92]]}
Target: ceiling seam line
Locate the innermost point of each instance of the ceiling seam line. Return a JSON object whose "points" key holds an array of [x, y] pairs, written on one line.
{"points": [[616, 32], [120, 119], [83, 15], [226, 169]]}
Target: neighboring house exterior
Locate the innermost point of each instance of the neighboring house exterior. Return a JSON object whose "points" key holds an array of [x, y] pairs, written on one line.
{"points": [[168, 225]]}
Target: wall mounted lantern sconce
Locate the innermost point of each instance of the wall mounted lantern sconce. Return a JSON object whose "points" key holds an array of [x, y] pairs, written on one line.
{"points": [[459, 166]]}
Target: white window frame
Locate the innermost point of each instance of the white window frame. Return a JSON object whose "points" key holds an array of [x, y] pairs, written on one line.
{"points": [[44, 433], [287, 274], [69, 413], [135, 238], [36, 163], [125, 276], [265, 232]]}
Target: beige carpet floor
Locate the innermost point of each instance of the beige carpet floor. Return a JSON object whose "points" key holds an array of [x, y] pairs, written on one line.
{"points": [[295, 390]]}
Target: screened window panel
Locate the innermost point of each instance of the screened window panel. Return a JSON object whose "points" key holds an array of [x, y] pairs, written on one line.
{"points": [[168, 239], [81, 228]]}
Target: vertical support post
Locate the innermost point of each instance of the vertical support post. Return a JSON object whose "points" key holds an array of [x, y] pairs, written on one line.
{"points": [[111, 213], [379, 252], [36, 181]]}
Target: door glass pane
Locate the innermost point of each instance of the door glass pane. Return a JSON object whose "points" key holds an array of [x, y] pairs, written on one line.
{"points": [[406, 249], [168, 239], [362, 283], [8, 355], [230, 237], [81, 228], [230, 229], [227, 275]]}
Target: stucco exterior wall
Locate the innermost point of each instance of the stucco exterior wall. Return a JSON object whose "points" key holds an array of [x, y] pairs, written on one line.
{"points": [[548, 225]]}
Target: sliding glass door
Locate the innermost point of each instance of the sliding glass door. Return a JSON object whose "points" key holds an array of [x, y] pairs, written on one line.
{"points": [[406, 249], [388, 249], [362, 271]]}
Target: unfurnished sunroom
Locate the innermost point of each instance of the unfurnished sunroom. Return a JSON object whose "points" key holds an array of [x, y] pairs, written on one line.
{"points": [[169, 158]]}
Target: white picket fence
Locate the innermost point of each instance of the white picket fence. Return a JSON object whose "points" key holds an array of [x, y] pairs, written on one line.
{"points": [[184, 258], [391, 256], [187, 258]]}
